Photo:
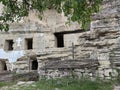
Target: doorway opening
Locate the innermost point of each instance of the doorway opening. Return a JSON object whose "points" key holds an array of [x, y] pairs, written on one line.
{"points": [[3, 66], [34, 65]]}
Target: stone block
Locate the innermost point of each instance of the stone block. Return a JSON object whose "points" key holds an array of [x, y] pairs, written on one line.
{"points": [[107, 72]]}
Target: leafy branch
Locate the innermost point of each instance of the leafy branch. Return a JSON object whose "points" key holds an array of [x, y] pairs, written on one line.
{"points": [[76, 10]]}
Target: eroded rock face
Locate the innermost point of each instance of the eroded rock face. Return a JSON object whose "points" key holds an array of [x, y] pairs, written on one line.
{"points": [[96, 43], [52, 38]]}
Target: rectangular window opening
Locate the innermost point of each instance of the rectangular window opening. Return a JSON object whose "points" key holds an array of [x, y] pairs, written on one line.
{"points": [[9, 45], [59, 40], [29, 43]]}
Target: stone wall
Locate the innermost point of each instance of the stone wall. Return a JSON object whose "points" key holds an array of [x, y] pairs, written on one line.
{"points": [[42, 33], [102, 41], [79, 73], [99, 43]]}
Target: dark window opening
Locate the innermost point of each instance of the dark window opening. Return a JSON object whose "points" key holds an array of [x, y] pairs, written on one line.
{"points": [[5, 67], [29, 43], [34, 65], [59, 40], [9, 45]]}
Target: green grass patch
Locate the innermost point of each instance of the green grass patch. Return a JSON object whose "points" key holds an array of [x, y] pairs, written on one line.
{"points": [[5, 84], [67, 84], [70, 84]]}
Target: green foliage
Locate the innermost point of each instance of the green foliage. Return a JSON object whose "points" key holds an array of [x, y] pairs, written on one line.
{"points": [[76, 10], [5, 84], [2, 84], [69, 84], [117, 78], [66, 84]]}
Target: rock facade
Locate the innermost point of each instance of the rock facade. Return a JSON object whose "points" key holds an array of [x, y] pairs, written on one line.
{"points": [[52, 38]]}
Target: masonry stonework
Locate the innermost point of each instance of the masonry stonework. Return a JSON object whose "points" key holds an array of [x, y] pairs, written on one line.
{"points": [[100, 43]]}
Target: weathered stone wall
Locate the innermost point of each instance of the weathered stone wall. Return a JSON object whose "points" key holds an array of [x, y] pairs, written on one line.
{"points": [[43, 35], [68, 73], [103, 40], [99, 43]]}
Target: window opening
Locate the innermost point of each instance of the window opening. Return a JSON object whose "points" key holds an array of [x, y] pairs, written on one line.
{"points": [[9, 45], [59, 40]]}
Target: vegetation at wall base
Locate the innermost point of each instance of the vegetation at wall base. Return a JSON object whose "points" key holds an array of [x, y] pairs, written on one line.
{"points": [[68, 84], [6, 84]]}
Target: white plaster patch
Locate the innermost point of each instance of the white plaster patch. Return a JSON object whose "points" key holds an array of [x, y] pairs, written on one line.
{"points": [[19, 40], [12, 56], [41, 34]]}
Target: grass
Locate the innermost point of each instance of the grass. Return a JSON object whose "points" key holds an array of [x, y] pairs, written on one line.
{"points": [[5, 84], [69, 84], [66, 84]]}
